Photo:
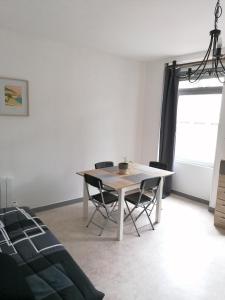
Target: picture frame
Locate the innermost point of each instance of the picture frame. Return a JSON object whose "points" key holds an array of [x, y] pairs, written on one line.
{"points": [[14, 97]]}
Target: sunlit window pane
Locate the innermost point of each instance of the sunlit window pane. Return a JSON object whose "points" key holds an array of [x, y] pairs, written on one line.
{"points": [[197, 126]]}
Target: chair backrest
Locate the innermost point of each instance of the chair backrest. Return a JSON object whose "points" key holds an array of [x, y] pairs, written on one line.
{"points": [[104, 164], [158, 165], [150, 184], [93, 181]]}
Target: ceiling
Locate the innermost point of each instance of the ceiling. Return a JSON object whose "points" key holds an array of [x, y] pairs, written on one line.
{"points": [[140, 29]]}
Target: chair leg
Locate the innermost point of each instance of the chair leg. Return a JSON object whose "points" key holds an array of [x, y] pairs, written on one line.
{"points": [[111, 211], [106, 216], [97, 208], [125, 213], [150, 221], [127, 216], [130, 214], [139, 215], [92, 216], [107, 219], [103, 226]]}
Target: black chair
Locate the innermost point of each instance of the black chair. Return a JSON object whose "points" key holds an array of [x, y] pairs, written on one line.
{"points": [[162, 166], [104, 164], [101, 201], [158, 165], [145, 199]]}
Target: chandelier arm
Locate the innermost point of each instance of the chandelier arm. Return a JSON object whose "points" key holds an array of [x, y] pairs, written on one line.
{"points": [[198, 76], [218, 77], [206, 57], [221, 73], [217, 72], [203, 69], [223, 67]]}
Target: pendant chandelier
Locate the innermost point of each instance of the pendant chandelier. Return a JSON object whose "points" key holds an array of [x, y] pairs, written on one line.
{"points": [[213, 66]]}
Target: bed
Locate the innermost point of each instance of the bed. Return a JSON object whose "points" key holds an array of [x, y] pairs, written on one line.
{"points": [[48, 269]]}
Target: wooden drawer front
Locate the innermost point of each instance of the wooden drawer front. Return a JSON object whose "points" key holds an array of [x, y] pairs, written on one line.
{"points": [[221, 193], [220, 214], [220, 202], [222, 181], [219, 219], [219, 223], [220, 206]]}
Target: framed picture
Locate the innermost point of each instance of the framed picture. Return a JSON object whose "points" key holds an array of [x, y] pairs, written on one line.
{"points": [[13, 97]]}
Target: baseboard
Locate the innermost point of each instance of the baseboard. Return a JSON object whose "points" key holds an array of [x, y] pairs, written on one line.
{"points": [[211, 209], [78, 200], [56, 205], [196, 199]]}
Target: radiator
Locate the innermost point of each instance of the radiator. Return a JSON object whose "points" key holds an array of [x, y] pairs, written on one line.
{"points": [[6, 198]]}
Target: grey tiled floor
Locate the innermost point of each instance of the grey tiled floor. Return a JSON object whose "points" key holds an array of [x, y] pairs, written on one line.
{"points": [[183, 259]]}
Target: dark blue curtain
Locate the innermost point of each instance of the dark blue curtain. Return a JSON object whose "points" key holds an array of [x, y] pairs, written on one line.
{"points": [[168, 121]]}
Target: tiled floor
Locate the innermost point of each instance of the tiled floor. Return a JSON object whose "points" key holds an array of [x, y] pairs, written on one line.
{"points": [[183, 259]]}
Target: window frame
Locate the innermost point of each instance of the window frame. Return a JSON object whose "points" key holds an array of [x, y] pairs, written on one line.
{"points": [[200, 91]]}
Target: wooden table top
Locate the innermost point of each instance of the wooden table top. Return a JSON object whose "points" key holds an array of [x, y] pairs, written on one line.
{"points": [[136, 173]]}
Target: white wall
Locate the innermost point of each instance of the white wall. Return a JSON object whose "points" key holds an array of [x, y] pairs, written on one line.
{"points": [[193, 180], [152, 110], [84, 107]]}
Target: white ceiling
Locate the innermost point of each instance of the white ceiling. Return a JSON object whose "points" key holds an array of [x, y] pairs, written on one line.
{"points": [[143, 29]]}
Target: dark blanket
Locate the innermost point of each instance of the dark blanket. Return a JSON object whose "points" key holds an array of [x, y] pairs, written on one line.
{"points": [[49, 271], [13, 285]]}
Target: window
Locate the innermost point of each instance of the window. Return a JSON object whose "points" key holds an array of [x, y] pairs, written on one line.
{"points": [[197, 121]]}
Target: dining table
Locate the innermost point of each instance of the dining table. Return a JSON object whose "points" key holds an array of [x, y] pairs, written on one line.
{"points": [[124, 184]]}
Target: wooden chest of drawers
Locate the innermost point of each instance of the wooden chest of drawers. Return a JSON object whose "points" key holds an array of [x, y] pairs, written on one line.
{"points": [[219, 217]]}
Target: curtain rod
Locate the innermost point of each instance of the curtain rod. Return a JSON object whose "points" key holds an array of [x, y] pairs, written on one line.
{"points": [[194, 63]]}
